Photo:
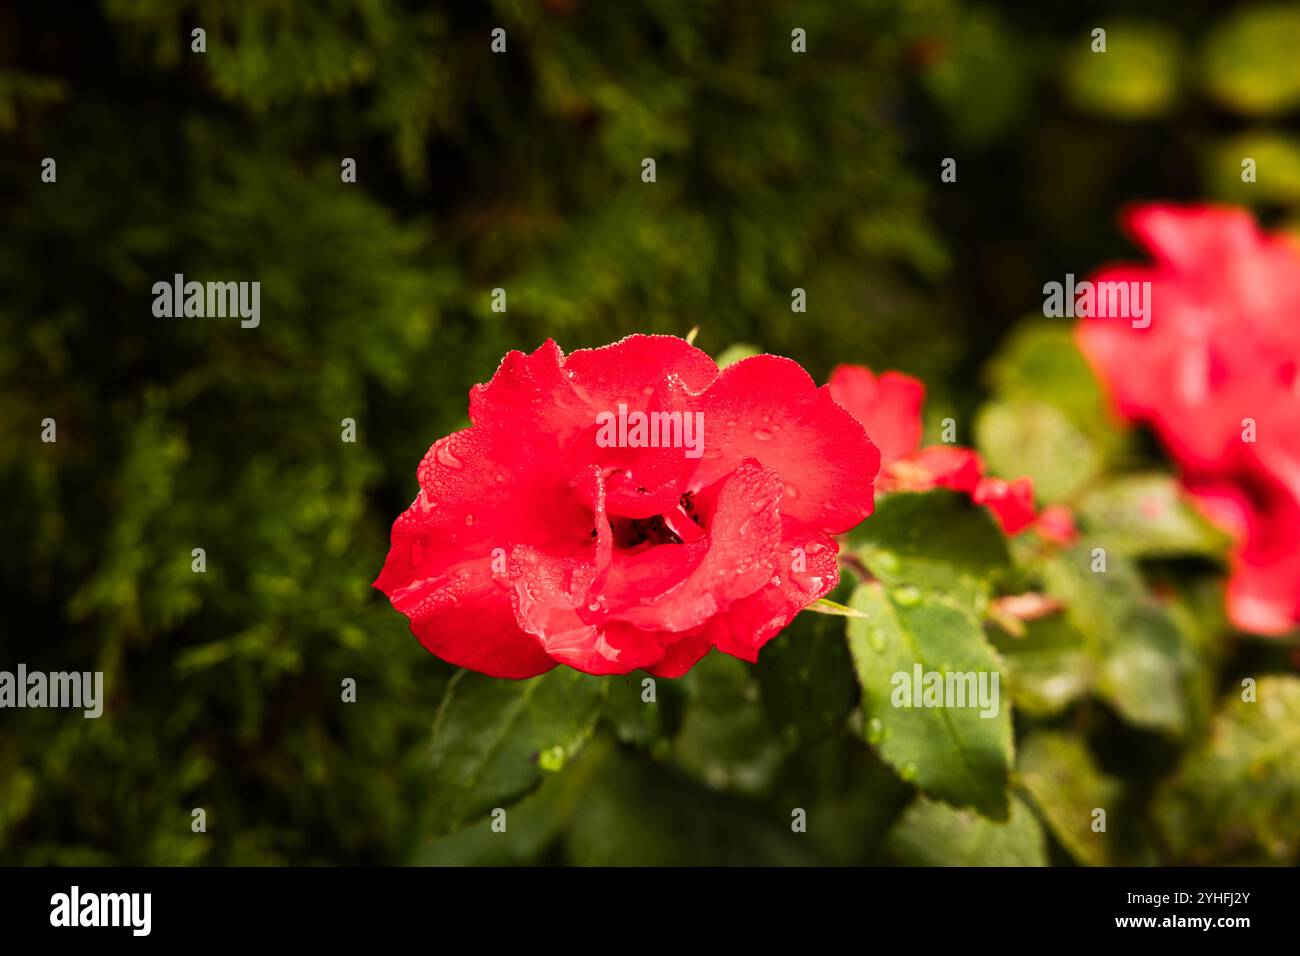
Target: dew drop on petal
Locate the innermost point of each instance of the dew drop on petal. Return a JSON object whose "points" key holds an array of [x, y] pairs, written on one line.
{"points": [[762, 434], [445, 456]]}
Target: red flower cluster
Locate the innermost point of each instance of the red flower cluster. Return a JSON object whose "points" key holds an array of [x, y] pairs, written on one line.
{"points": [[1216, 375], [571, 524], [889, 408]]}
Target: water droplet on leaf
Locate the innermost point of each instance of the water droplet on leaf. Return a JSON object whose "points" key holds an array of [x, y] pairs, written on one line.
{"points": [[445, 457], [875, 731], [906, 596], [552, 760]]}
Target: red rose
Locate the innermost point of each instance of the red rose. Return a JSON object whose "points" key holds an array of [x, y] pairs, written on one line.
{"points": [[627, 507], [1216, 374], [889, 408], [1222, 342]]}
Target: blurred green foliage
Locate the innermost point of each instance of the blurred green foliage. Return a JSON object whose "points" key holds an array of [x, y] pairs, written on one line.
{"points": [[1136, 76], [477, 171]]}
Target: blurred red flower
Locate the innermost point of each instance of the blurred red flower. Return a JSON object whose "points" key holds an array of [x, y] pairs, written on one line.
{"points": [[1216, 375], [546, 533]]}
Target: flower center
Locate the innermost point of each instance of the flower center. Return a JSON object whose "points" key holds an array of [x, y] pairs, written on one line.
{"points": [[632, 532], [682, 524]]}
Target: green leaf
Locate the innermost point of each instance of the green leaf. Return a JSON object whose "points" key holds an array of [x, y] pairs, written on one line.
{"points": [[633, 719], [1039, 440], [532, 824], [1040, 363], [937, 540], [726, 739], [639, 813], [852, 797], [1146, 516], [805, 676], [734, 353], [950, 752], [1143, 675], [1236, 797], [1140, 653], [1249, 59], [493, 740], [1067, 788], [935, 834], [831, 608], [1198, 607], [1048, 667]]}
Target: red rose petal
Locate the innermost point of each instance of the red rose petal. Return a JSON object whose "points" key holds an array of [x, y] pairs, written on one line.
{"points": [[753, 621], [888, 406], [768, 409], [935, 466], [1011, 502]]}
